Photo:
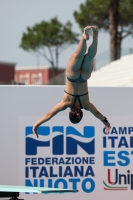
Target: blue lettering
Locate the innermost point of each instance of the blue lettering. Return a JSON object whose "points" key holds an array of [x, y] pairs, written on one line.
{"points": [[52, 173], [58, 141], [43, 172], [26, 172], [78, 160], [27, 160], [50, 183], [122, 130], [36, 181], [33, 161], [68, 172], [123, 142], [74, 182], [41, 182], [61, 161], [107, 158], [34, 171], [85, 160], [104, 142], [78, 171], [35, 143], [113, 138], [114, 131], [28, 183], [130, 129], [40, 161], [131, 141], [72, 144], [55, 161], [68, 162], [104, 131], [92, 160], [89, 171], [124, 158], [47, 161], [92, 185], [60, 171], [60, 180]]}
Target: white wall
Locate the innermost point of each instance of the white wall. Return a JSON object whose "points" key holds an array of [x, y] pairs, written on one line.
{"points": [[21, 106]]}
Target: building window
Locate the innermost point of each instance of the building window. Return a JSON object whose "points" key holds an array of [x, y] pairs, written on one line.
{"points": [[37, 81], [24, 78], [24, 81]]}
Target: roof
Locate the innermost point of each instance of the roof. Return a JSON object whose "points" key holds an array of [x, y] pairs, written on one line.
{"points": [[34, 67], [31, 67], [7, 63], [117, 73]]}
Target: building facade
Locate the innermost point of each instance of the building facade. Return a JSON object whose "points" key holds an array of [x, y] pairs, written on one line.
{"points": [[36, 75], [7, 71]]}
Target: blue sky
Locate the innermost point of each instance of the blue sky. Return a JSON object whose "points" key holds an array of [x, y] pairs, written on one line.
{"points": [[16, 15]]}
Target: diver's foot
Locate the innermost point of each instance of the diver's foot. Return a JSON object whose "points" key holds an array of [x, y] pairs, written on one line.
{"points": [[86, 32], [95, 31]]}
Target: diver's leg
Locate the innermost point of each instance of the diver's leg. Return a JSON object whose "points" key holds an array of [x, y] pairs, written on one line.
{"points": [[87, 65], [73, 68]]}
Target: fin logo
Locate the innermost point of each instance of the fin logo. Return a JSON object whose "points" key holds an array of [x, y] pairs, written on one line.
{"points": [[56, 136]]}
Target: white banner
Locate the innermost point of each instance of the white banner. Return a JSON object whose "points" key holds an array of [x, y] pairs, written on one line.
{"points": [[79, 157], [71, 156]]}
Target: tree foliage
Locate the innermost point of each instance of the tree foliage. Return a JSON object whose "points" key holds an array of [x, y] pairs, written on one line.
{"points": [[51, 35], [96, 12], [92, 12]]}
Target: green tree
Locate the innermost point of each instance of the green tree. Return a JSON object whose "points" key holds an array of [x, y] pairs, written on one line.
{"points": [[115, 16], [51, 35]]}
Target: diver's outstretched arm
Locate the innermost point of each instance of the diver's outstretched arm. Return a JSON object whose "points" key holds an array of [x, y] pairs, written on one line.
{"points": [[90, 107], [59, 107]]}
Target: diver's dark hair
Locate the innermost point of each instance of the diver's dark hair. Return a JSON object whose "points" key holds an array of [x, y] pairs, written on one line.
{"points": [[75, 117]]}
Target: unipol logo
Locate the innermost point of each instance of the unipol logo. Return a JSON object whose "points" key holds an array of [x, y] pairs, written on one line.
{"points": [[60, 140]]}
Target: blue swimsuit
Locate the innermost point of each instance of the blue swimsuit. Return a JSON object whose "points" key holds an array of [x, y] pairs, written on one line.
{"points": [[77, 80]]}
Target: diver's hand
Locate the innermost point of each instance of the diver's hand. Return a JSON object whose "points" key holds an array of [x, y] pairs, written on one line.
{"points": [[108, 127], [34, 129]]}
